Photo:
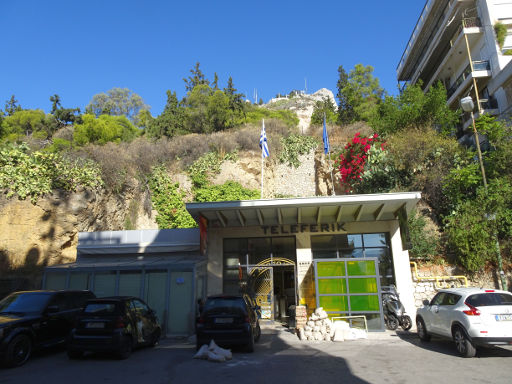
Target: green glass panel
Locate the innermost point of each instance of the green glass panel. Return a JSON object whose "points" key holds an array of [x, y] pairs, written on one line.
{"points": [[361, 268], [332, 286], [364, 303], [331, 268], [363, 285], [334, 303]]}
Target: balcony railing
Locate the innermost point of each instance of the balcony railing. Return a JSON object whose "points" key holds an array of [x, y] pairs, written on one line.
{"points": [[481, 65]]}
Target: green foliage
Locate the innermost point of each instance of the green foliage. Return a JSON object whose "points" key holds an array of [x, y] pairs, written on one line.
{"points": [[345, 109], [229, 191], [380, 174], [324, 108], [28, 122], [424, 243], [196, 79], [12, 106], [413, 108], [295, 145], [471, 230], [255, 114], [500, 30], [167, 199], [219, 112], [172, 120], [204, 167], [35, 174], [508, 52], [58, 145], [359, 93], [64, 116], [498, 158], [117, 102], [104, 129]]}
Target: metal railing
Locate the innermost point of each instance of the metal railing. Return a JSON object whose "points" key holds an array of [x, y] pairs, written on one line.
{"points": [[480, 65]]}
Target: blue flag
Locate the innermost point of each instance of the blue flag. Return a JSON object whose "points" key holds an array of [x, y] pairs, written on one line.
{"points": [[263, 142], [327, 147]]}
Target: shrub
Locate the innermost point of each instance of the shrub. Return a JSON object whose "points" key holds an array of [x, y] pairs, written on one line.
{"points": [[295, 145], [167, 199], [104, 129], [229, 191], [500, 30], [471, 230], [352, 162], [34, 174], [424, 243]]}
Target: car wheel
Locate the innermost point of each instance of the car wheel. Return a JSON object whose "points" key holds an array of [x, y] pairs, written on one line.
{"points": [[154, 338], [258, 333], [406, 323], [422, 330], [250, 346], [392, 323], [73, 355], [126, 347], [463, 344], [18, 351]]}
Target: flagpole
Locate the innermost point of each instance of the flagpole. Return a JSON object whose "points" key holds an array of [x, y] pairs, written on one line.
{"points": [[262, 155], [262, 158]]}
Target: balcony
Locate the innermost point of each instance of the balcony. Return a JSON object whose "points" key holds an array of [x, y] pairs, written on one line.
{"points": [[482, 65]]}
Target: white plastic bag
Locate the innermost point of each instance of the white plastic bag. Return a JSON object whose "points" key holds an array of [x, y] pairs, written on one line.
{"points": [[212, 356], [202, 353], [225, 353]]}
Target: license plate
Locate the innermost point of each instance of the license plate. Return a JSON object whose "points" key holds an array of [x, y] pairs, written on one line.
{"points": [[503, 317], [223, 320], [95, 325]]}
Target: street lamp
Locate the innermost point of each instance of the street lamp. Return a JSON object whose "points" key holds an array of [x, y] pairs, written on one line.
{"points": [[467, 106]]}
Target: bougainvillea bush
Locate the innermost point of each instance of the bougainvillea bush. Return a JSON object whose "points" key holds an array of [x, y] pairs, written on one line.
{"points": [[359, 159]]}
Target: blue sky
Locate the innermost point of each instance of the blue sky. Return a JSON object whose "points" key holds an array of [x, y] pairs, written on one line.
{"points": [[78, 48]]}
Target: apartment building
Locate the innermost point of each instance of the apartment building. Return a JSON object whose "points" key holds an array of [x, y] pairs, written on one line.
{"points": [[454, 42]]}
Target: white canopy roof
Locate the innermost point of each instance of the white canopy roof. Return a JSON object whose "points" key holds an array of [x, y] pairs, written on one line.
{"points": [[309, 210]]}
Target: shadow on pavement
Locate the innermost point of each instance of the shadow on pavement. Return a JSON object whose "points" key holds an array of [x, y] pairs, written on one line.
{"points": [[447, 347], [277, 359]]}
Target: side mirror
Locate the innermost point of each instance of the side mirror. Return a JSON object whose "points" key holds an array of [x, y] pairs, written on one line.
{"points": [[52, 309], [426, 303]]}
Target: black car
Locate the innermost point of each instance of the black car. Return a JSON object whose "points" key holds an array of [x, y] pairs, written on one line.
{"points": [[115, 325], [228, 320], [35, 319]]}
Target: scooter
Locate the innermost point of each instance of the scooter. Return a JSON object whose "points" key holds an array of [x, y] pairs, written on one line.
{"points": [[394, 311]]}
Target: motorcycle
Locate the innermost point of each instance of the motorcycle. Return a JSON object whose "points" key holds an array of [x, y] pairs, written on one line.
{"points": [[394, 311]]}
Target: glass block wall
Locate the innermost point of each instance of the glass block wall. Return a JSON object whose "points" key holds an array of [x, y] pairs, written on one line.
{"points": [[347, 287]]}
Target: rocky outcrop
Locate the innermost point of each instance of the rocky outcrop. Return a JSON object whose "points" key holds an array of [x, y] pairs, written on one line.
{"points": [[303, 105]]}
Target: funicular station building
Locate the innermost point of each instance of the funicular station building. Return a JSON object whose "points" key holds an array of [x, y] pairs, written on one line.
{"points": [[335, 252]]}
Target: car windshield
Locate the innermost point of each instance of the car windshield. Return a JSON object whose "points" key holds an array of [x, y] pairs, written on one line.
{"points": [[225, 304], [21, 303], [104, 308], [489, 299]]}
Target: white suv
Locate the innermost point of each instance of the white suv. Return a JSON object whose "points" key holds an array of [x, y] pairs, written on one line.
{"points": [[470, 316]]}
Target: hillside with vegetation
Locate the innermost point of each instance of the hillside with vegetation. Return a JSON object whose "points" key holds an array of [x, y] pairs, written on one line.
{"points": [[116, 150]]}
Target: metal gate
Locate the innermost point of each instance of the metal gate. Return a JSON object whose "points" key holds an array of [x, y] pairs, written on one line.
{"points": [[261, 283]]}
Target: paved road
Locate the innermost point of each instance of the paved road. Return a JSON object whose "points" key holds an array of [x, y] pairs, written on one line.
{"points": [[279, 358]]}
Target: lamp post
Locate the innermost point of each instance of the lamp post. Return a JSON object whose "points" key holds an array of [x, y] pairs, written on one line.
{"points": [[467, 106]]}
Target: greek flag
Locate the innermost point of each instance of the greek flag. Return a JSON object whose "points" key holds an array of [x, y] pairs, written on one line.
{"points": [[327, 147], [263, 142]]}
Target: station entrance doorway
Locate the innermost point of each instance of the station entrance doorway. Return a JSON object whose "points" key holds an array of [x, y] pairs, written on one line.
{"points": [[264, 269], [272, 284]]}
